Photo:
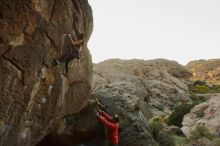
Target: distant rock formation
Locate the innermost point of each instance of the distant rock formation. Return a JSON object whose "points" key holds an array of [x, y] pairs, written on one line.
{"points": [[207, 114], [35, 97], [135, 89], [205, 70]]}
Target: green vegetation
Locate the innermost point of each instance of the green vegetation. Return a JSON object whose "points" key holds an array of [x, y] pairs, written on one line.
{"points": [[177, 115], [179, 141], [179, 111], [204, 88], [156, 127], [198, 99], [200, 89], [165, 139], [201, 131], [216, 142], [199, 113], [215, 88]]}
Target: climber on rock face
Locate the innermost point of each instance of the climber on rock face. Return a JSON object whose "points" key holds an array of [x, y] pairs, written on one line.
{"points": [[76, 47], [112, 125]]}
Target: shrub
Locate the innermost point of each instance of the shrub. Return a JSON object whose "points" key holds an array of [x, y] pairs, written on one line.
{"points": [[199, 113], [198, 82], [201, 131], [216, 142], [200, 89], [198, 98], [177, 115], [165, 139], [215, 89], [179, 141], [156, 127]]}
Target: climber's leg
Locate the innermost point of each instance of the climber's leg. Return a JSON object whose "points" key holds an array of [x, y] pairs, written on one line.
{"points": [[68, 58]]}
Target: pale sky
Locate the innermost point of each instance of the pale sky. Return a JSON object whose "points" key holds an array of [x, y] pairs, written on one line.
{"points": [[180, 30]]}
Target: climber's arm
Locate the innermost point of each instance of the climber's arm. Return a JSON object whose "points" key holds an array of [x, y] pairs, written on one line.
{"points": [[106, 116], [106, 122]]}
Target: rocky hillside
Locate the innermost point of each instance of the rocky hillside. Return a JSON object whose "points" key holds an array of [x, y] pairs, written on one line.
{"points": [[206, 70], [35, 96], [136, 89]]}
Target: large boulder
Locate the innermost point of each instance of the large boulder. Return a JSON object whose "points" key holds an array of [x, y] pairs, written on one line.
{"points": [[206, 113], [136, 88], [160, 83], [35, 96]]}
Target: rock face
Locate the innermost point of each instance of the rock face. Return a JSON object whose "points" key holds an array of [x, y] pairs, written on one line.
{"points": [[207, 114], [131, 87], [35, 96], [207, 70], [161, 83]]}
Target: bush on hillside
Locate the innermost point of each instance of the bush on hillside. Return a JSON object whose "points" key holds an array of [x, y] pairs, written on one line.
{"points": [[216, 142], [200, 89], [177, 115], [198, 99], [204, 88], [215, 89], [156, 127], [179, 141], [201, 131]]}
